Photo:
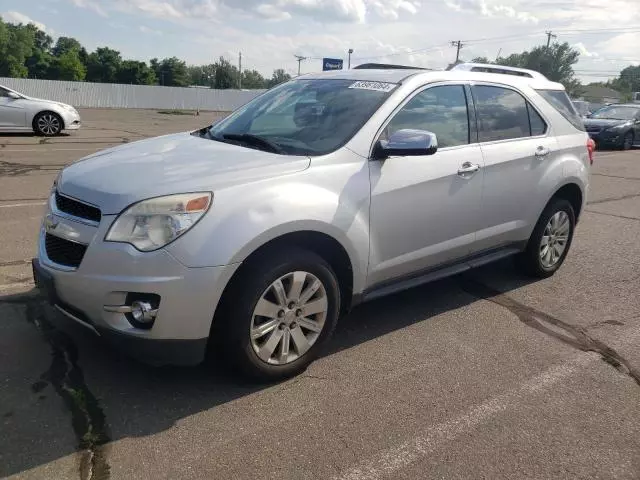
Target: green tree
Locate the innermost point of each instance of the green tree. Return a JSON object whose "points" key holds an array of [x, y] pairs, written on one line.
{"points": [[202, 75], [252, 79], [171, 71], [226, 74], [103, 65], [279, 76], [628, 81], [16, 45], [555, 62], [64, 45], [136, 73], [68, 66]]}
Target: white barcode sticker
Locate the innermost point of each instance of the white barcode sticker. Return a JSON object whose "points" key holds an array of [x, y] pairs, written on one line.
{"points": [[377, 86]]}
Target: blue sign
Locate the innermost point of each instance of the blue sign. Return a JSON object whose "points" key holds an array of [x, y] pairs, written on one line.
{"points": [[331, 64]]}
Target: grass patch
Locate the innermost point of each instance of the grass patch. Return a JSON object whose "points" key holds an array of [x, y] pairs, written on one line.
{"points": [[175, 112]]}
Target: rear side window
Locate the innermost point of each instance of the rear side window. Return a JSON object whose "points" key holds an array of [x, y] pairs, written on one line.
{"points": [[504, 114], [562, 103]]}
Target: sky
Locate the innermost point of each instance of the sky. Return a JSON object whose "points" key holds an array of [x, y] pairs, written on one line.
{"points": [[269, 33]]}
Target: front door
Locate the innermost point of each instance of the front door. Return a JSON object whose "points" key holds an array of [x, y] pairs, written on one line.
{"points": [[12, 111], [424, 209]]}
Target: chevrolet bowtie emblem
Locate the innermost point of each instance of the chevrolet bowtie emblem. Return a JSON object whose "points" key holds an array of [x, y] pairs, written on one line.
{"points": [[50, 222]]}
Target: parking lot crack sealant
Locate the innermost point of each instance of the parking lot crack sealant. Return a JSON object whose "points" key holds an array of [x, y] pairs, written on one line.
{"points": [[65, 375], [571, 335]]}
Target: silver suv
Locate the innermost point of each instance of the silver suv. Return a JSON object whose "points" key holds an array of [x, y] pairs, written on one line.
{"points": [[252, 236]]}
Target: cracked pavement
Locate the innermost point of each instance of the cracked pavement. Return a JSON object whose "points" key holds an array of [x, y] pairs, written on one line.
{"points": [[484, 375]]}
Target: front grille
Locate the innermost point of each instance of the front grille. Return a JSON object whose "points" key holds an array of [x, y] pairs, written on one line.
{"points": [[64, 252], [77, 209]]}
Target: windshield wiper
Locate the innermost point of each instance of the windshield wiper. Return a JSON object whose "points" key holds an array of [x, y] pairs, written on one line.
{"points": [[257, 140]]}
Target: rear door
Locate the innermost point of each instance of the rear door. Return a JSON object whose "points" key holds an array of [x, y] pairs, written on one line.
{"points": [[517, 148]]}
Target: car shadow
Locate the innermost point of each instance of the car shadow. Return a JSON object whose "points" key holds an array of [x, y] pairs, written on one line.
{"points": [[30, 134], [115, 397]]}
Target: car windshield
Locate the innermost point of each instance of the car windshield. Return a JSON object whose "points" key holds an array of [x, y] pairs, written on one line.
{"points": [[617, 113], [303, 117]]}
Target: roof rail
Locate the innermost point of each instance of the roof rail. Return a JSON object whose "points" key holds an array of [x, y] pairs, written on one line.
{"points": [[387, 66], [500, 69]]}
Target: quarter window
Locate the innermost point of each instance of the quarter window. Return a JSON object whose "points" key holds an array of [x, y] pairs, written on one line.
{"points": [[504, 114], [441, 110]]}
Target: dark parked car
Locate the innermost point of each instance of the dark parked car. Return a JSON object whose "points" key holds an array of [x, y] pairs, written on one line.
{"points": [[615, 126]]}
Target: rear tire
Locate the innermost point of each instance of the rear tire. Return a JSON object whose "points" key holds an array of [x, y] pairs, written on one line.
{"points": [[255, 303], [47, 124], [550, 240]]}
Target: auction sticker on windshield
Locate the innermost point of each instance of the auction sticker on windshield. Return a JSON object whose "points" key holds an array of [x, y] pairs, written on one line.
{"points": [[377, 86]]}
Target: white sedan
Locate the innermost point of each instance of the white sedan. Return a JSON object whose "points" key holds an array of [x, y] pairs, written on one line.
{"points": [[20, 113]]}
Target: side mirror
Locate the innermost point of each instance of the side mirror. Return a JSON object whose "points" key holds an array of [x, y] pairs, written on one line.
{"points": [[406, 142], [13, 95]]}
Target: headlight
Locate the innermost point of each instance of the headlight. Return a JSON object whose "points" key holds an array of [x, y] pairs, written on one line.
{"points": [[152, 224]]}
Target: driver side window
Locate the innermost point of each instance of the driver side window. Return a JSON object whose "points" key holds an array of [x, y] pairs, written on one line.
{"points": [[441, 110]]}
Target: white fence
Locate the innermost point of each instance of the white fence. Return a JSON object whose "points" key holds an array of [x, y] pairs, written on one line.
{"points": [[107, 95]]}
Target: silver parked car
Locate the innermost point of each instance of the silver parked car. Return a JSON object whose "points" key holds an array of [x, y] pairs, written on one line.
{"points": [[253, 235], [20, 113]]}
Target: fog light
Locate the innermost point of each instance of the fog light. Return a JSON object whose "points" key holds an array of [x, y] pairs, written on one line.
{"points": [[142, 312]]}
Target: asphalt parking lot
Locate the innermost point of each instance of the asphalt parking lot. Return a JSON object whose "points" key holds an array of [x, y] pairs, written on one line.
{"points": [[485, 375]]}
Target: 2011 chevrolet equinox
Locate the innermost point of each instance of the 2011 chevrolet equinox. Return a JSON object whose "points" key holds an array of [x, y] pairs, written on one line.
{"points": [[254, 234]]}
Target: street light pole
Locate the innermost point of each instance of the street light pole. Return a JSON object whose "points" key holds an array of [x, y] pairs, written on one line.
{"points": [[349, 61]]}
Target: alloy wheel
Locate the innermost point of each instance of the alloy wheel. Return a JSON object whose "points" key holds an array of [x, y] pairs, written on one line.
{"points": [[48, 124], [288, 318], [555, 239]]}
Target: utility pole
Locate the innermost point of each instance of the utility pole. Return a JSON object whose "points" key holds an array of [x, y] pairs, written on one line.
{"points": [[549, 35], [299, 58], [240, 71], [349, 61], [459, 45]]}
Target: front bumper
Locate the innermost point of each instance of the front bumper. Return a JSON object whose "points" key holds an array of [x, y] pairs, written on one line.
{"points": [[109, 272], [72, 120]]}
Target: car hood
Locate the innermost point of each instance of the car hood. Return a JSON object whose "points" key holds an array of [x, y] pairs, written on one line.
{"points": [[48, 102], [115, 178], [604, 122]]}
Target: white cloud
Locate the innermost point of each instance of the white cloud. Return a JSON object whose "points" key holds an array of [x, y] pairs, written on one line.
{"points": [[489, 8], [580, 47], [17, 17], [91, 5], [355, 11], [145, 29]]}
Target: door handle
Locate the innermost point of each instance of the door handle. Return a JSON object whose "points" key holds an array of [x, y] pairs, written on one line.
{"points": [[542, 152], [468, 167]]}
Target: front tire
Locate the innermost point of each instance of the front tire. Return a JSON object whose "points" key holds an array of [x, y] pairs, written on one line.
{"points": [[550, 240], [47, 124], [278, 314], [627, 141]]}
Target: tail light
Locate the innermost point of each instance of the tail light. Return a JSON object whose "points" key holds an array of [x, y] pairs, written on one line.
{"points": [[591, 146]]}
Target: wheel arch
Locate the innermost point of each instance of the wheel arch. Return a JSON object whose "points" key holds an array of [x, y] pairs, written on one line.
{"points": [[37, 114], [573, 193], [321, 243]]}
